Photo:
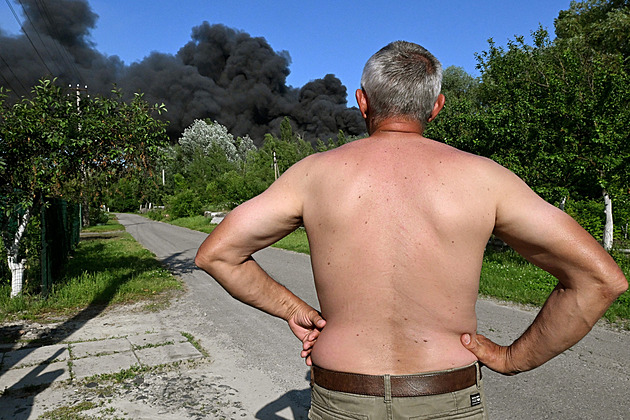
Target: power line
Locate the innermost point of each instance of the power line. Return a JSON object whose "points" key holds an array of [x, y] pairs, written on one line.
{"points": [[6, 82], [52, 58], [28, 37], [14, 76], [41, 5]]}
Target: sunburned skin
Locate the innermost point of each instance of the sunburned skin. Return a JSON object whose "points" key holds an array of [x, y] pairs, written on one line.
{"points": [[397, 232], [397, 225]]}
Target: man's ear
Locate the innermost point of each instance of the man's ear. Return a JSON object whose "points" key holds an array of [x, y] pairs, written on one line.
{"points": [[362, 102], [437, 107]]}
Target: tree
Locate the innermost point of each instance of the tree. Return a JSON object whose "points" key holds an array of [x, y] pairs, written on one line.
{"points": [[56, 150], [201, 136], [601, 25], [599, 31], [555, 113], [458, 122]]}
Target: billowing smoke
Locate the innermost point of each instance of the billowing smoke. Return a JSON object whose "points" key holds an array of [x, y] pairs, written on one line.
{"points": [[222, 74]]}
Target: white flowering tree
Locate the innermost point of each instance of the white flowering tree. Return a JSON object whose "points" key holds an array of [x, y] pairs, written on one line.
{"points": [[243, 146], [201, 136]]}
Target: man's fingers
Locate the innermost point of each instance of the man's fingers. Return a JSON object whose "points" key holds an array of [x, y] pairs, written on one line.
{"points": [[471, 342], [308, 344], [317, 320], [489, 353], [485, 350]]}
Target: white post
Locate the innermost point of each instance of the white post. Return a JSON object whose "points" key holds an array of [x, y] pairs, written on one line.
{"points": [[275, 166], [17, 274], [563, 202], [18, 266], [608, 227]]}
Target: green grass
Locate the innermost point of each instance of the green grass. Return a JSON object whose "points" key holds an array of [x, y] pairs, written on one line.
{"points": [[72, 412], [199, 223], [102, 271], [192, 340], [295, 241], [111, 226], [507, 276]]}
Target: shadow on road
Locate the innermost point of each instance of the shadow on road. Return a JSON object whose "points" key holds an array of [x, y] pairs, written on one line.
{"points": [[179, 263], [299, 401]]}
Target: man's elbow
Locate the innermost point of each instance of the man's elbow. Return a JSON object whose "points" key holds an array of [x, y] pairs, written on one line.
{"points": [[614, 285], [619, 286], [206, 258], [201, 261]]}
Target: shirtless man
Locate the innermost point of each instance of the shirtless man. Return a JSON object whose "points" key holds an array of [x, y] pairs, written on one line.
{"points": [[397, 225]]}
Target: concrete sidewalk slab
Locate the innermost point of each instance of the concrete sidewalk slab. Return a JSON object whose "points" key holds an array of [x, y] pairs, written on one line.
{"points": [[34, 376], [34, 355], [110, 363], [154, 356], [72, 360], [99, 347], [142, 340]]}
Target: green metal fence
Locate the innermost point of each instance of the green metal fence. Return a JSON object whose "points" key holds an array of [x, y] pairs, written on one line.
{"points": [[61, 227]]}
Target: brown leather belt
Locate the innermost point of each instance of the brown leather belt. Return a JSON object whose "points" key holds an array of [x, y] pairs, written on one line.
{"points": [[401, 385]]}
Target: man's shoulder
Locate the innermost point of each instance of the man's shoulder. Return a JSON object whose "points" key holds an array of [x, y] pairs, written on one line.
{"points": [[458, 156]]}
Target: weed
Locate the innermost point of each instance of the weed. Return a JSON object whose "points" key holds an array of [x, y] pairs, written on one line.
{"points": [[195, 343], [120, 376], [69, 412], [150, 346]]}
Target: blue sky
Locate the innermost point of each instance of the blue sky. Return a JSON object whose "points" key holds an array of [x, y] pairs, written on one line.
{"points": [[321, 37]]}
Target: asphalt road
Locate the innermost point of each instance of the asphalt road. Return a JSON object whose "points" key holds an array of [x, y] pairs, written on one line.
{"points": [[258, 354]]}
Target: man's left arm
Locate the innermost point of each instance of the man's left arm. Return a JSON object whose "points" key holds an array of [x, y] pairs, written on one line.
{"points": [[226, 254]]}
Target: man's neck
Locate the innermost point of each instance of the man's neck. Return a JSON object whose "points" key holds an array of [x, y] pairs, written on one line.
{"points": [[397, 125]]}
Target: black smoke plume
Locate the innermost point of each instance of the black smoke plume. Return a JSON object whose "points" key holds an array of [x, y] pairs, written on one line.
{"points": [[221, 73]]}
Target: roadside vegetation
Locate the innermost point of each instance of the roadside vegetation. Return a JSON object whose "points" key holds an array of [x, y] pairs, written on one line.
{"points": [[108, 267], [507, 276]]}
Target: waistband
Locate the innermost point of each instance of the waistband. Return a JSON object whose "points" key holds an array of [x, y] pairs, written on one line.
{"points": [[431, 383]]}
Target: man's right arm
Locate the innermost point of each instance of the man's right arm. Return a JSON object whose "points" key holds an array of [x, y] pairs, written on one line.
{"points": [[589, 280]]}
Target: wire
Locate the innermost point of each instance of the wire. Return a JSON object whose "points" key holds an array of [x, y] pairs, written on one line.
{"points": [[63, 52], [14, 76], [52, 57], [28, 37], [7, 83]]}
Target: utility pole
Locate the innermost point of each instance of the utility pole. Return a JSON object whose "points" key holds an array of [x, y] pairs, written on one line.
{"points": [[276, 172], [78, 91], [85, 206]]}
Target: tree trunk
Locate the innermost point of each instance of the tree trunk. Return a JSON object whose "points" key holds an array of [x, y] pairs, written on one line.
{"points": [[17, 265], [85, 214], [563, 202], [608, 227]]}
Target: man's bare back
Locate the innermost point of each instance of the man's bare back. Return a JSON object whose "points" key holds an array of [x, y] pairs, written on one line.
{"points": [[397, 225], [397, 231]]}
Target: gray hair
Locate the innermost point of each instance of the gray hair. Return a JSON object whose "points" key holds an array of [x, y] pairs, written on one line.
{"points": [[402, 79]]}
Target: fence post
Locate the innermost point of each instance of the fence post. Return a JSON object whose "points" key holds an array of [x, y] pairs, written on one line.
{"points": [[45, 257]]}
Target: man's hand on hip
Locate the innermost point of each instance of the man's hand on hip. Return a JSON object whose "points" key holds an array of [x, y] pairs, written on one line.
{"points": [[490, 354], [306, 323]]}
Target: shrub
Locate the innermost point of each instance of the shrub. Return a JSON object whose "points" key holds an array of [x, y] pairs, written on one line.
{"points": [[156, 214], [98, 216], [589, 214], [184, 204]]}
